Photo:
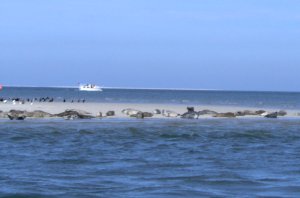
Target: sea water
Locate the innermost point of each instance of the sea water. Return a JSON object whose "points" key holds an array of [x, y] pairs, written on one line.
{"points": [[151, 158], [277, 100]]}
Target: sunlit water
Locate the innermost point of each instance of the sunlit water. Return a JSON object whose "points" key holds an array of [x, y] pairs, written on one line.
{"points": [[150, 158]]}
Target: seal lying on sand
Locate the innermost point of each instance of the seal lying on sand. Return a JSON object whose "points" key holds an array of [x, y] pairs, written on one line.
{"points": [[191, 114], [225, 115], [271, 115], [207, 112], [142, 115], [157, 111], [16, 115], [171, 114], [74, 114], [130, 111], [110, 113]]}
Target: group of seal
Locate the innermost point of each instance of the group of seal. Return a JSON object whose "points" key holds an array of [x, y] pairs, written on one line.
{"points": [[190, 114]]}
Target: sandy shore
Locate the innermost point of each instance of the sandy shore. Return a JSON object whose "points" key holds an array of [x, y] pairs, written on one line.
{"points": [[95, 108]]}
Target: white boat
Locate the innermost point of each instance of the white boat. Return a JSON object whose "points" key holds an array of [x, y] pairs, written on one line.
{"points": [[89, 87]]}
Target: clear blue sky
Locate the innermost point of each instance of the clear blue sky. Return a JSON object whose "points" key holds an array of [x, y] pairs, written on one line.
{"points": [[209, 44]]}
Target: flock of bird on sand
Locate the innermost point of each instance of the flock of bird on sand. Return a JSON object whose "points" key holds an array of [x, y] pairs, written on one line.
{"points": [[42, 99]]}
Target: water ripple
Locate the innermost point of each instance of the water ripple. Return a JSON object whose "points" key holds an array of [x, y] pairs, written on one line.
{"points": [[166, 158]]}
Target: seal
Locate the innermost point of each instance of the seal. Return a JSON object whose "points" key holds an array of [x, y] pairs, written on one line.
{"points": [[190, 114]]}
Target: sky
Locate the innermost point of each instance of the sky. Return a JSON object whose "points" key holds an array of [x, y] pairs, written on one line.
{"points": [[197, 44]]}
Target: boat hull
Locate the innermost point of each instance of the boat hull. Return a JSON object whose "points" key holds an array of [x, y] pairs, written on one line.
{"points": [[90, 89]]}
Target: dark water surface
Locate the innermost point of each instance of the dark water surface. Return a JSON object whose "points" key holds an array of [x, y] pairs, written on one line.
{"points": [[150, 158]]}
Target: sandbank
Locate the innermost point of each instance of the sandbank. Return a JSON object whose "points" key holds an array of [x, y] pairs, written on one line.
{"points": [[95, 108]]}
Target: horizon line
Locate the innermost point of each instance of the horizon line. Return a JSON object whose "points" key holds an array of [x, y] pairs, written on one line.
{"points": [[145, 88], [103, 87]]}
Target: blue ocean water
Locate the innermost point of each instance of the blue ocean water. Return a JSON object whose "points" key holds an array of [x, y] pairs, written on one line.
{"points": [[152, 158], [280, 100]]}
